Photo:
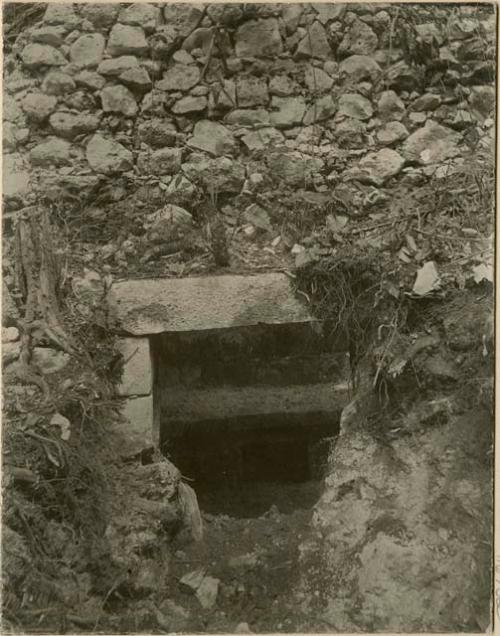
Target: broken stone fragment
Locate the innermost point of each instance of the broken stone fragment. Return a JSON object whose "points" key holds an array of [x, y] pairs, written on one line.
{"points": [[314, 43], [51, 35], [164, 161], [58, 83], [323, 108], [179, 77], [207, 592], [431, 144], [136, 79], [88, 50], [377, 167], [290, 111], [317, 80], [118, 65], [141, 14], [69, 124], [390, 106], [360, 39], [251, 91], [52, 152], [127, 40], [118, 99], [359, 67], [258, 38], [61, 14], [107, 156], [392, 132], [100, 15], [190, 104], [355, 105], [36, 55], [38, 106], [15, 176], [212, 137], [259, 139]]}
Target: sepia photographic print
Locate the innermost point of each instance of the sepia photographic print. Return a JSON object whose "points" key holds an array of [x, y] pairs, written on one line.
{"points": [[248, 317]]}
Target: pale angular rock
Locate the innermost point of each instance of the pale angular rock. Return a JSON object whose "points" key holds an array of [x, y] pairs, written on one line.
{"points": [[127, 40], [52, 152], [91, 80], [224, 96], [323, 108], [12, 112], [160, 162], [259, 139], [360, 39], [294, 167], [359, 67], [49, 360], [136, 79], [258, 38], [317, 80], [184, 21], [118, 99], [100, 15], [168, 223], [38, 106], [107, 156], [190, 104], [15, 176], [244, 117], [207, 592], [291, 14], [157, 133], [58, 83], [329, 11], [351, 133], [390, 107], [143, 15], [88, 50], [355, 105], [154, 103], [482, 100], [282, 86], [137, 370], [314, 43], [431, 144], [251, 91], [36, 55], [429, 101], [377, 167], [290, 111], [199, 39], [402, 77], [14, 136], [222, 173], [118, 65], [51, 35], [61, 14], [392, 132], [10, 334], [180, 77], [69, 124], [212, 137], [183, 57]]}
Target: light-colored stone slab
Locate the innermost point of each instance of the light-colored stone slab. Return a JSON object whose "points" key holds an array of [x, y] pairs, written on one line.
{"points": [[136, 378], [213, 302], [136, 432], [214, 403]]}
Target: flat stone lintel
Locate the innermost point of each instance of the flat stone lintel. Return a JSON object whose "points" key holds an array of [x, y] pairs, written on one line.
{"points": [[153, 306], [232, 402]]}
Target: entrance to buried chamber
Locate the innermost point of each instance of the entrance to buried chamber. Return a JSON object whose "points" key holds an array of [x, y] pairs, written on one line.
{"points": [[249, 414]]}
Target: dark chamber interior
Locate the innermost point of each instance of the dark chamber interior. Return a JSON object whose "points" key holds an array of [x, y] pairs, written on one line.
{"points": [[242, 468]]}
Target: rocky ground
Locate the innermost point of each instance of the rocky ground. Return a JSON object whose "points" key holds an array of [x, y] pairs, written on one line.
{"points": [[350, 145]]}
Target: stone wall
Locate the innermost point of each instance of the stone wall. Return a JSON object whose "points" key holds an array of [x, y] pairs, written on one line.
{"points": [[310, 95]]}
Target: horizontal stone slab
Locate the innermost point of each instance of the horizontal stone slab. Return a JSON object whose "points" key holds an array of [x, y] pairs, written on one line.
{"points": [[153, 306], [209, 404]]}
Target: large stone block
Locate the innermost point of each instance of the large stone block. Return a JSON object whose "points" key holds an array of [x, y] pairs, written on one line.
{"points": [[137, 377], [136, 432]]}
